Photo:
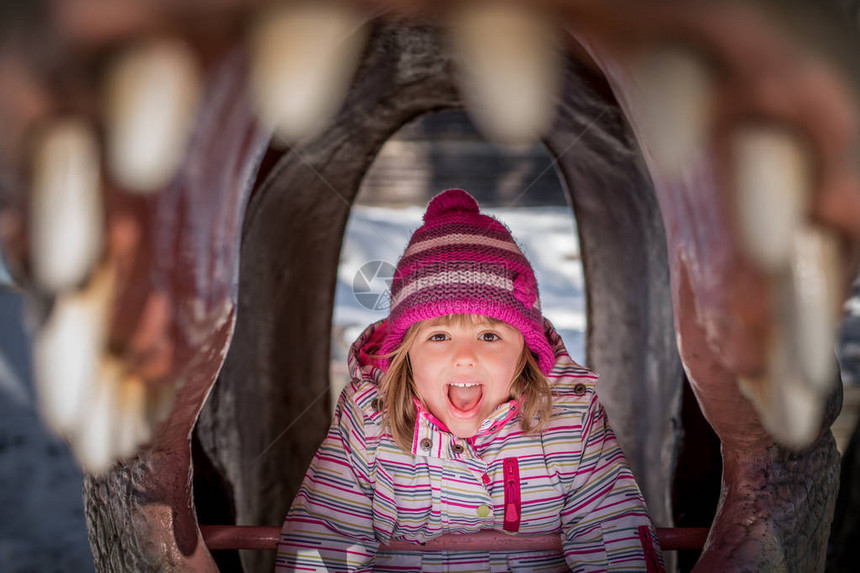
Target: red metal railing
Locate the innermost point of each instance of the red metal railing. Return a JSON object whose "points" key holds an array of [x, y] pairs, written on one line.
{"points": [[254, 537]]}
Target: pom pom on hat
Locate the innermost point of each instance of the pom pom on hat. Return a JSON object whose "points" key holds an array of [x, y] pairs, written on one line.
{"points": [[449, 202]]}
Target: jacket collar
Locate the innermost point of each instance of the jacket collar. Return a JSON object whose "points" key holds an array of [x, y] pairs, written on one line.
{"points": [[498, 419], [431, 438]]}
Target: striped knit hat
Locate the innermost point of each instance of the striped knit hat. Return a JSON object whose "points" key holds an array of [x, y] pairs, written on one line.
{"points": [[463, 262]]}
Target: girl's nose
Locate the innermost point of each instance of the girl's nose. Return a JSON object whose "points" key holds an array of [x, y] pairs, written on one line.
{"points": [[464, 354]]}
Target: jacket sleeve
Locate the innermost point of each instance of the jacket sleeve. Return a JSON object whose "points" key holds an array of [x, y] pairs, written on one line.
{"points": [[605, 524], [330, 524]]}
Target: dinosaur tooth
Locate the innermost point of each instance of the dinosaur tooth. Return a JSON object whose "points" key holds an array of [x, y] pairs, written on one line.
{"points": [[801, 367], [152, 93], [303, 58], [94, 444], [789, 408], [132, 427], [772, 177], [811, 304], [674, 96], [510, 68], [66, 214], [66, 352]]}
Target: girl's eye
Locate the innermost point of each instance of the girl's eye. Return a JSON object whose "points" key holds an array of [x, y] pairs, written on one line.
{"points": [[438, 337], [489, 336]]}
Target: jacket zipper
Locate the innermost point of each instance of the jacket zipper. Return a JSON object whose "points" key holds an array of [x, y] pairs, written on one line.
{"points": [[512, 494]]}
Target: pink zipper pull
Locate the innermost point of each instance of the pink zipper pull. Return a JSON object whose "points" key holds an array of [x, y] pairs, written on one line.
{"points": [[511, 516], [512, 494]]}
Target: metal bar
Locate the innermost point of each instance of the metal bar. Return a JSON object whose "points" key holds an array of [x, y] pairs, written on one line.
{"points": [[257, 537]]}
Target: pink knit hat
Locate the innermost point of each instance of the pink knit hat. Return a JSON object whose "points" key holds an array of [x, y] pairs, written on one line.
{"points": [[463, 262]]}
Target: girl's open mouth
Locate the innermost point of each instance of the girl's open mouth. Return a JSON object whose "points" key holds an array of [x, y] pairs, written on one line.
{"points": [[465, 398]]}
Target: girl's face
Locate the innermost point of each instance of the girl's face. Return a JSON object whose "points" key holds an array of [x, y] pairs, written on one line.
{"points": [[463, 369]]}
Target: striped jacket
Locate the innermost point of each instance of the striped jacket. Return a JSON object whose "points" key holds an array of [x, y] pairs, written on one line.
{"points": [[572, 479]]}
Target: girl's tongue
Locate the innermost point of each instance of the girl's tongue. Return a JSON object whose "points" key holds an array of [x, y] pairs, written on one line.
{"points": [[464, 398]]}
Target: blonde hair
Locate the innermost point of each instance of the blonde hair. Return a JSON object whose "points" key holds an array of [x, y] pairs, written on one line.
{"points": [[397, 387]]}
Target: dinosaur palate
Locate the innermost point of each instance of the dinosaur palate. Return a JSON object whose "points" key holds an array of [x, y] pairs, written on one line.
{"points": [[464, 397], [709, 150]]}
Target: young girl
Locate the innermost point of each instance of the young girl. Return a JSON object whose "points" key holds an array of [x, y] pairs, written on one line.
{"points": [[465, 413]]}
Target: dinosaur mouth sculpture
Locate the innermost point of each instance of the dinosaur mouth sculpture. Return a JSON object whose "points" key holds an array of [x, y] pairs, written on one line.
{"points": [[157, 156]]}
